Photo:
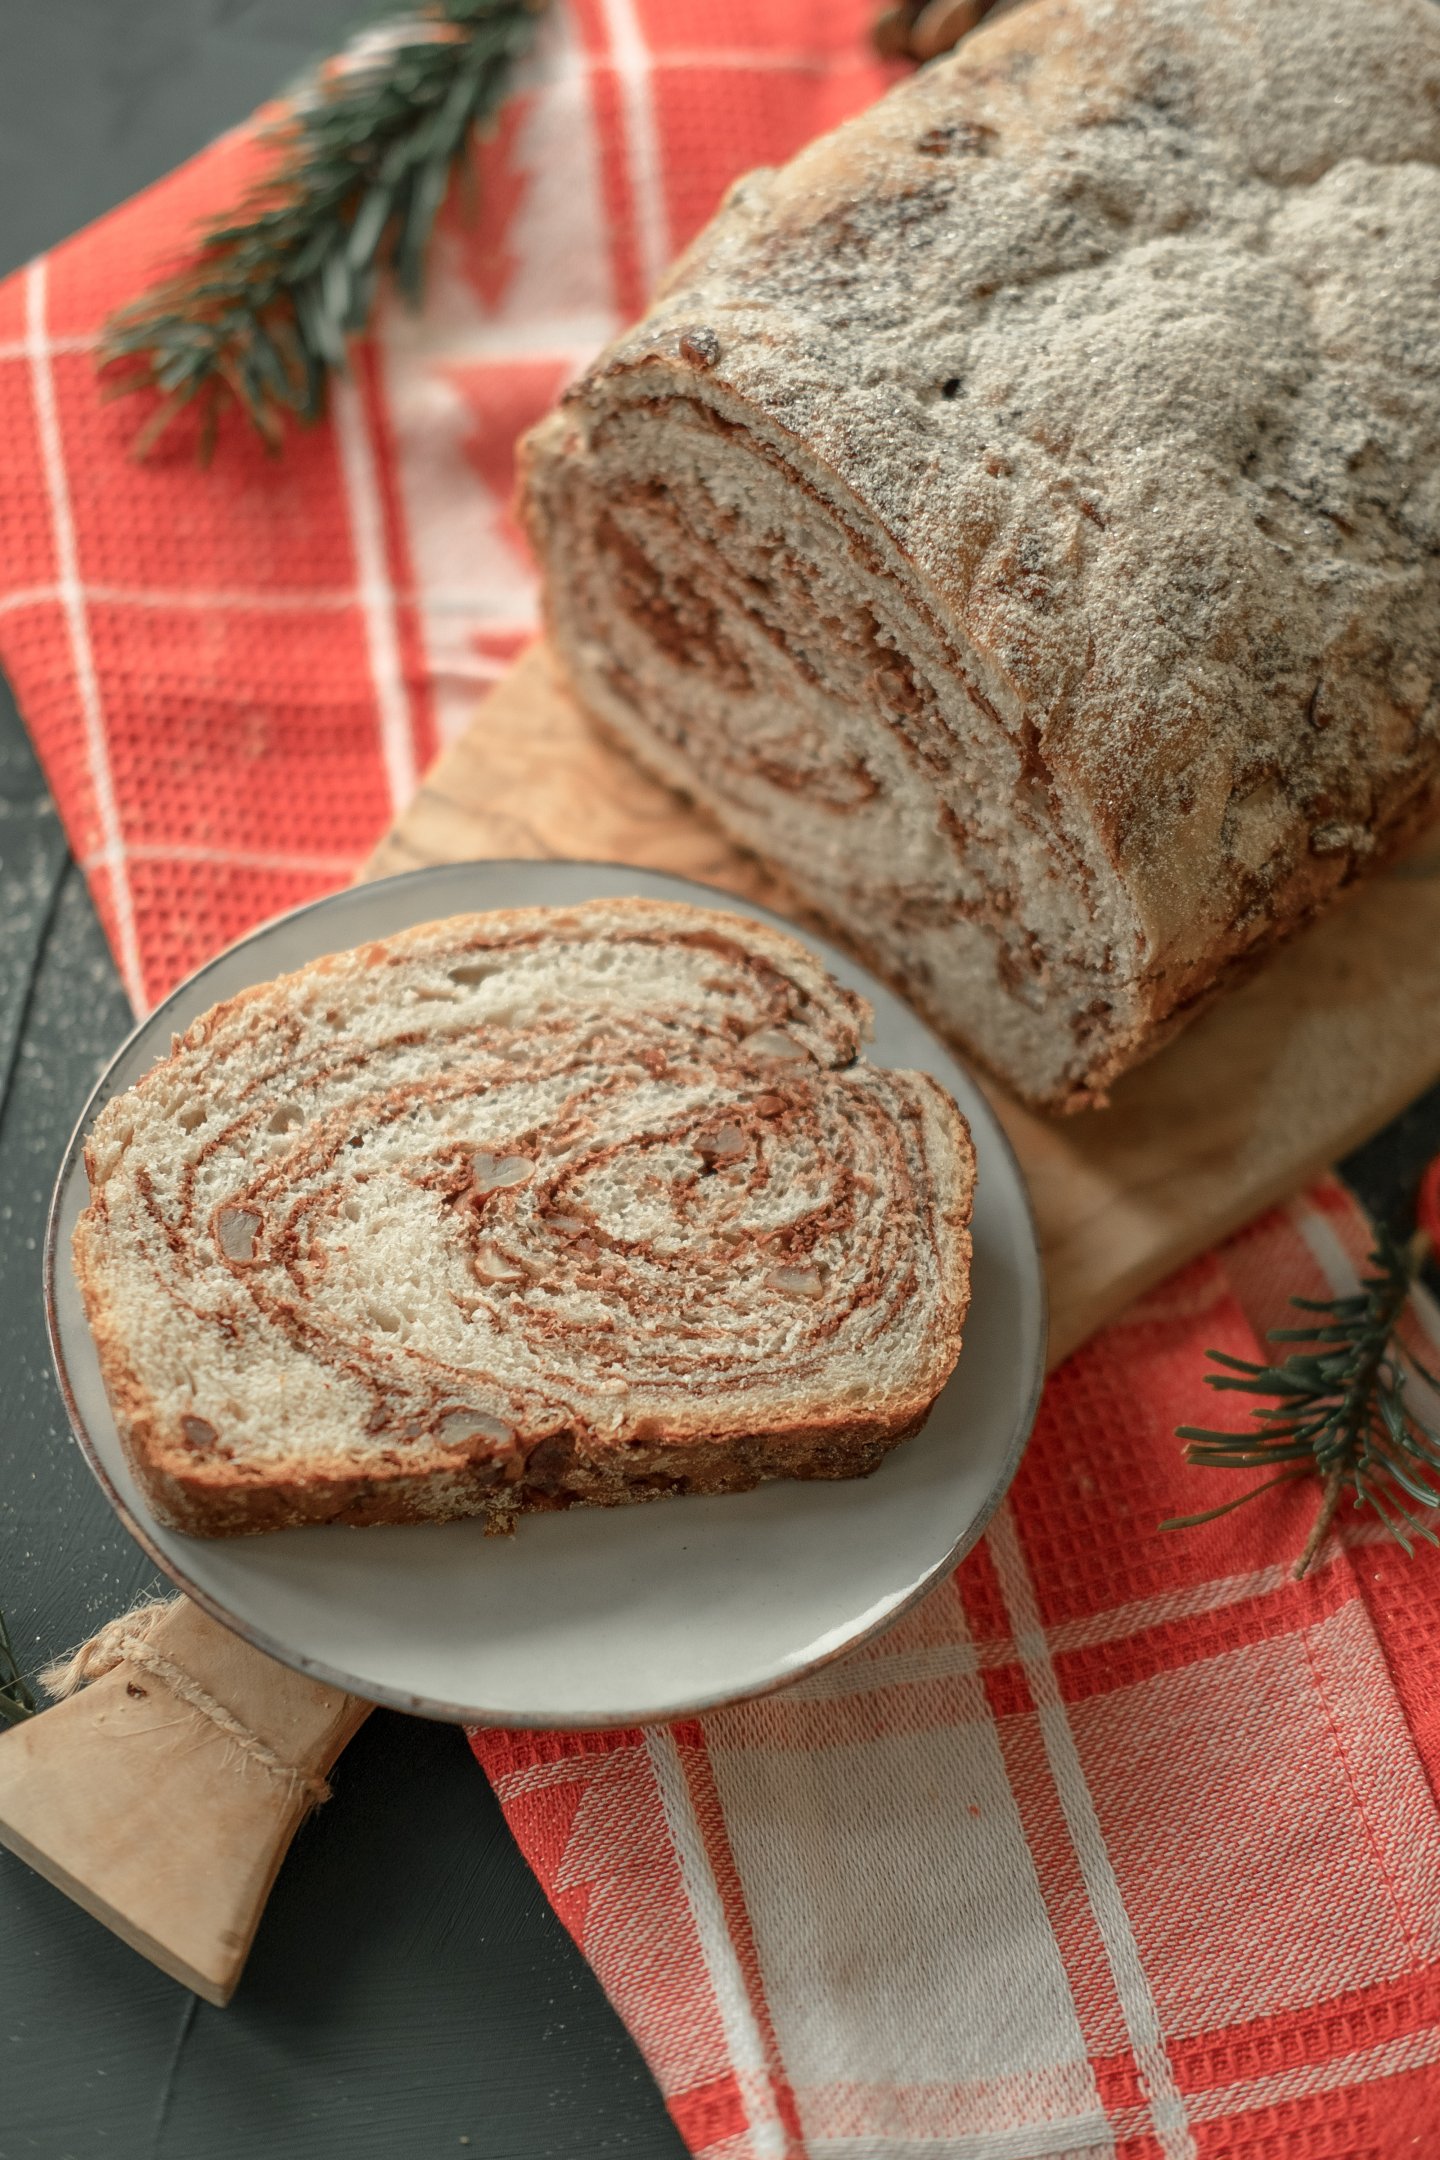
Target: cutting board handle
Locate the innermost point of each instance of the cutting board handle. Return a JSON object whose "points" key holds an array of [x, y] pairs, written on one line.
{"points": [[164, 1795]]}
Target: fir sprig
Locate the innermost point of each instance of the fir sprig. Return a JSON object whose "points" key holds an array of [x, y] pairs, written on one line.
{"points": [[16, 1700], [365, 154], [1339, 1407]]}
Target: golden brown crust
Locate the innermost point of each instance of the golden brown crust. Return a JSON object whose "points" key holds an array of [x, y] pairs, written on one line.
{"points": [[222, 1505]]}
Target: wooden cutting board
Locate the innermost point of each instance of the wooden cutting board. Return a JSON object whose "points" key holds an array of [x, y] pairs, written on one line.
{"points": [[1337, 1034], [174, 1846]]}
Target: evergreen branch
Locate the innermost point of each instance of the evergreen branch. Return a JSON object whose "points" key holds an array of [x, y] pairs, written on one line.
{"points": [[264, 313], [1339, 1408], [16, 1700]]}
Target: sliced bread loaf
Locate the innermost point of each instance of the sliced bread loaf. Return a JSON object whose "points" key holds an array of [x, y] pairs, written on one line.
{"points": [[1019, 516], [521, 1210]]}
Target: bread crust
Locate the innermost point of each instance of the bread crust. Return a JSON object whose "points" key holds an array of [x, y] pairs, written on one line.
{"points": [[409, 1474], [1107, 353]]}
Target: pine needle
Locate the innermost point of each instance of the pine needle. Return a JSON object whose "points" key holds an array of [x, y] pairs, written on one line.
{"points": [[16, 1700], [263, 314], [1339, 1408]]}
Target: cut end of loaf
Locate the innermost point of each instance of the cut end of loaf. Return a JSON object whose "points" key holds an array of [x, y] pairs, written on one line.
{"points": [[739, 622], [519, 1212]]}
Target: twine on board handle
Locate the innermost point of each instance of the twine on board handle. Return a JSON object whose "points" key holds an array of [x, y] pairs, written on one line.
{"points": [[126, 1641], [164, 1784]]}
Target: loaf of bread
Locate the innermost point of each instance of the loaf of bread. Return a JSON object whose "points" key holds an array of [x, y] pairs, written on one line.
{"points": [[1019, 517], [519, 1210]]}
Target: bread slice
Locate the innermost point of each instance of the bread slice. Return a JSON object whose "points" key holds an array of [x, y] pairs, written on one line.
{"points": [[516, 1211]]}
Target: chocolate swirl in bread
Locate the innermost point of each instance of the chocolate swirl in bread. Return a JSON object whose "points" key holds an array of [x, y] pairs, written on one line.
{"points": [[520, 1210], [1019, 517]]}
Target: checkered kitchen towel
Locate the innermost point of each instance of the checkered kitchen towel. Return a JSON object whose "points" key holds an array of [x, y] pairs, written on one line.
{"points": [[1123, 1843]]}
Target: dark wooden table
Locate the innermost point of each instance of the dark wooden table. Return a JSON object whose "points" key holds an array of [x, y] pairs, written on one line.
{"points": [[410, 1993]]}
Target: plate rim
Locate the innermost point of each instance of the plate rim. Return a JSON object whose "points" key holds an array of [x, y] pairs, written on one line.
{"points": [[387, 1697]]}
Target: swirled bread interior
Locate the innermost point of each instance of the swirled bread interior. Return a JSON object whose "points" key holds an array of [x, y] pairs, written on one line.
{"points": [[520, 1210]]}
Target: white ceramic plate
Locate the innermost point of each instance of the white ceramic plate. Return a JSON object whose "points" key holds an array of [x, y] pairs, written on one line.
{"points": [[595, 1616]]}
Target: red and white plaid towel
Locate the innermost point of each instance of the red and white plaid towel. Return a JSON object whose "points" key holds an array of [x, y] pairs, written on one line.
{"points": [[1123, 1843]]}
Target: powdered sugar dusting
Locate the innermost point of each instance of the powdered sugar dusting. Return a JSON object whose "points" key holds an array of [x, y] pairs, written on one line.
{"points": [[1125, 323]]}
